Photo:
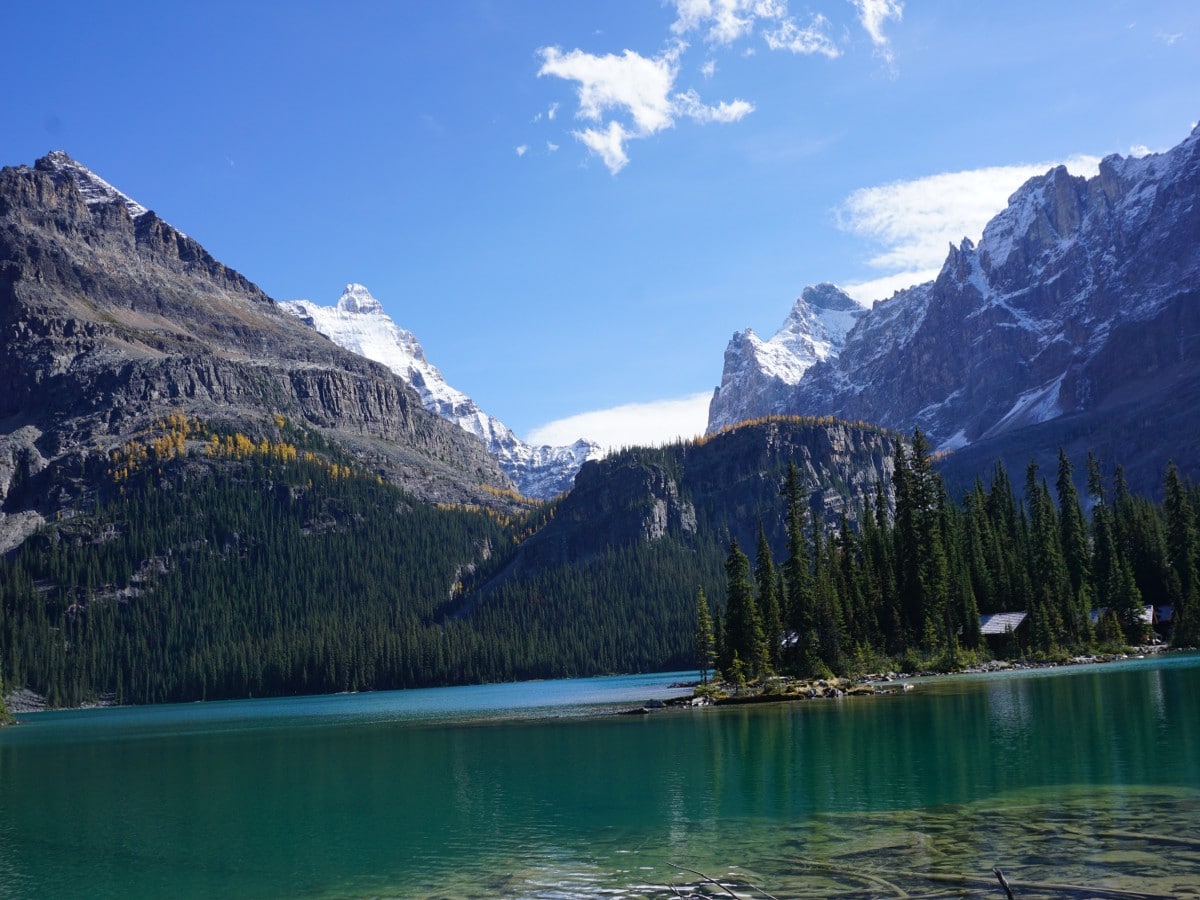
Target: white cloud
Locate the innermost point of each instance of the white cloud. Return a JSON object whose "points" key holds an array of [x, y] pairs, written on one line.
{"points": [[804, 41], [632, 424], [522, 150], [608, 144], [914, 221], [1169, 39], [872, 14], [628, 96], [552, 111], [866, 292], [690, 105], [632, 86], [726, 20], [551, 146], [630, 82]]}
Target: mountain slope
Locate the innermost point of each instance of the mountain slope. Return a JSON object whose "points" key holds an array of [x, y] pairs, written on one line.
{"points": [[359, 323], [1076, 318], [110, 319], [703, 492]]}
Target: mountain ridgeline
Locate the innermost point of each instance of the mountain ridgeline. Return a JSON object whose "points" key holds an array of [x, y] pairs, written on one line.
{"points": [[1074, 323], [111, 319], [203, 496], [207, 564]]}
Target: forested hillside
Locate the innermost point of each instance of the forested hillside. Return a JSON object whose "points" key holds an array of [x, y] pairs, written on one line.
{"points": [[209, 564]]}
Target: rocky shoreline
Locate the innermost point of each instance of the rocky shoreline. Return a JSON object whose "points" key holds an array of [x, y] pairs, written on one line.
{"points": [[787, 690]]}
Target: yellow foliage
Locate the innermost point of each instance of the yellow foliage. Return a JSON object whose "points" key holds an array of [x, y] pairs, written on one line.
{"points": [[168, 438]]}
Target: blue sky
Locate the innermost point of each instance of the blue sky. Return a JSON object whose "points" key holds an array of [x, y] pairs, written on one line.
{"points": [[574, 204]]}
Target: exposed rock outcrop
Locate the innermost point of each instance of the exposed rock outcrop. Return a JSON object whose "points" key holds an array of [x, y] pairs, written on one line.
{"points": [[715, 488]]}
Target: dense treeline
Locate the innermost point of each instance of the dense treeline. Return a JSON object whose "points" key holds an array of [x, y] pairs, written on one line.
{"points": [[210, 565], [215, 566], [261, 578], [910, 582]]}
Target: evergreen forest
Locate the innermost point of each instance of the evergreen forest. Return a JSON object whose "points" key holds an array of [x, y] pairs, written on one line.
{"points": [[207, 564]]}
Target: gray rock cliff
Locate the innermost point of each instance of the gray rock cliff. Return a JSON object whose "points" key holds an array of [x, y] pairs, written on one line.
{"points": [[111, 318]]}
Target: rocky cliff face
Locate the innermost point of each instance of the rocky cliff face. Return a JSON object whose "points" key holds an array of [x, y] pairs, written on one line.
{"points": [[111, 318], [358, 323], [1076, 319], [714, 489]]}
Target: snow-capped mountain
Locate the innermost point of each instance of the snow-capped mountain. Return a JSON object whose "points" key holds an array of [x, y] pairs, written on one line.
{"points": [[759, 374], [1076, 320], [358, 323]]}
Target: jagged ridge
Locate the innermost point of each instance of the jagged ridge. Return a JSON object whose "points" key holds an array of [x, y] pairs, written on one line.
{"points": [[1080, 305]]}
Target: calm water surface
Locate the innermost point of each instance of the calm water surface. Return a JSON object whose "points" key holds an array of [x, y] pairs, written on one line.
{"points": [[1085, 776]]}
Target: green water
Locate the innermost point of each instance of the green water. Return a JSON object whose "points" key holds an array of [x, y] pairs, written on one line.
{"points": [[1088, 776]]}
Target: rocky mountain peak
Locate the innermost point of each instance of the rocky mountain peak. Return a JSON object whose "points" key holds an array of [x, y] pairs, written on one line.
{"points": [[1073, 322], [92, 187], [828, 296], [359, 323], [814, 331], [356, 299]]}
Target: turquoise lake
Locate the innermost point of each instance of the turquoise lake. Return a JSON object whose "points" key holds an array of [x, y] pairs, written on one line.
{"points": [[1080, 777]]}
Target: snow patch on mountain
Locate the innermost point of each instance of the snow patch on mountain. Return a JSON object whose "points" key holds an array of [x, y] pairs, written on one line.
{"points": [[359, 323]]}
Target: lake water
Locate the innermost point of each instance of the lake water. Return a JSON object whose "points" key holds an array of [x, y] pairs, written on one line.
{"points": [[1085, 776]]}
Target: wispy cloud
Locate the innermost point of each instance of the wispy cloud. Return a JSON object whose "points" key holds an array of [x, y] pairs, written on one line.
{"points": [[724, 22], [807, 41], [913, 222], [632, 424], [522, 149], [690, 105], [872, 14]]}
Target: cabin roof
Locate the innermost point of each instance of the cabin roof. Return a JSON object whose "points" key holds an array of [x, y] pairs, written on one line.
{"points": [[1146, 615], [1001, 623]]}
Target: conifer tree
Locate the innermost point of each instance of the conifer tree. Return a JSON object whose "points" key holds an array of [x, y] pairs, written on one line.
{"points": [[1076, 557], [768, 597], [743, 626], [797, 572], [1047, 570], [705, 644], [1183, 557]]}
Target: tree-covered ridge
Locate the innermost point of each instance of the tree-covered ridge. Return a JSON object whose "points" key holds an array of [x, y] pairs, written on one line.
{"points": [[207, 564], [910, 582]]}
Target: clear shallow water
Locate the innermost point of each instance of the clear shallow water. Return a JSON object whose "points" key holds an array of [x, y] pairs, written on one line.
{"points": [[1080, 776]]}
